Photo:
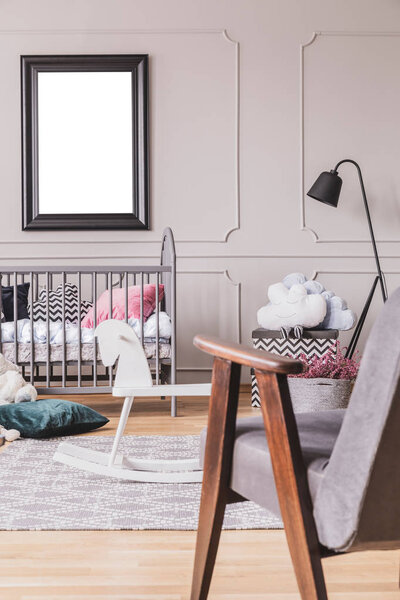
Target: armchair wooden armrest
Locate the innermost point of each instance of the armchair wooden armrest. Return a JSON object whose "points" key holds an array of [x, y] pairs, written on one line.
{"points": [[249, 357]]}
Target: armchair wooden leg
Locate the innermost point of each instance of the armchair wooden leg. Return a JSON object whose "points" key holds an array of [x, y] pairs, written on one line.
{"points": [[217, 468], [292, 485]]}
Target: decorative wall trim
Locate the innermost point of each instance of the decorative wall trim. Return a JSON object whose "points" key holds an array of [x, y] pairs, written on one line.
{"points": [[75, 31], [206, 31], [371, 272], [238, 286], [194, 256], [236, 226], [303, 224], [353, 272]]}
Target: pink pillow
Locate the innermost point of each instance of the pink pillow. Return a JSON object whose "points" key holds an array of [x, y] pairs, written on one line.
{"points": [[118, 298]]}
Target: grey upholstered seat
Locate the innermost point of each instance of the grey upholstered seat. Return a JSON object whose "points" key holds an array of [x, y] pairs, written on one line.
{"points": [[352, 457], [252, 475]]}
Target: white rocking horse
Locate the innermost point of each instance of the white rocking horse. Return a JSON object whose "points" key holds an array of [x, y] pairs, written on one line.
{"points": [[133, 379]]}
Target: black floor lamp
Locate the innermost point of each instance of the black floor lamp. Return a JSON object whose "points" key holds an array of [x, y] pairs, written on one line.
{"points": [[326, 189]]}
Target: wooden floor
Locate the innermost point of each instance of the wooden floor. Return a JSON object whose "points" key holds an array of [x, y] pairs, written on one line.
{"points": [[149, 565]]}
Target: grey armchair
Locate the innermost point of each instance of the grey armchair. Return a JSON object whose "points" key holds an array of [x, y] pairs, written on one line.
{"points": [[333, 475]]}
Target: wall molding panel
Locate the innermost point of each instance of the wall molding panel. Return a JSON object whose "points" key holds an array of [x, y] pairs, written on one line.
{"points": [[234, 225], [236, 317], [352, 272], [236, 284], [304, 226], [194, 257]]}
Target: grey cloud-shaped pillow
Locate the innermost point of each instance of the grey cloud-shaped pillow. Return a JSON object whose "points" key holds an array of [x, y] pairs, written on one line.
{"points": [[338, 316], [314, 287], [293, 279]]}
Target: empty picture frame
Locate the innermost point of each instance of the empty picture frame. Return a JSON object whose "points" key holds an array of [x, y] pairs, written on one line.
{"points": [[85, 162]]}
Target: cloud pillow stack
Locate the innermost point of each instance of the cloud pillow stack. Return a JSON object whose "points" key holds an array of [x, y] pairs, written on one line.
{"points": [[336, 316]]}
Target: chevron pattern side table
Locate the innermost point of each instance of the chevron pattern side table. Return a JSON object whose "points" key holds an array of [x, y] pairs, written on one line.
{"points": [[314, 342]]}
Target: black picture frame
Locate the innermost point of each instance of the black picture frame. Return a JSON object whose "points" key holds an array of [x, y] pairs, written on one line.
{"points": [[31, 66]]}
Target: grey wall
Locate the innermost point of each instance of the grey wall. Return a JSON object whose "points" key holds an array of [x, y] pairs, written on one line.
{"points": [[247, 106]]}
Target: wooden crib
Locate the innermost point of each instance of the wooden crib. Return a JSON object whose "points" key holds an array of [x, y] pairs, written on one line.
{"points": [[68, 361]]}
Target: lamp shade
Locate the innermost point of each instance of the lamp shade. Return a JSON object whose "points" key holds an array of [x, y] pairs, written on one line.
{"points": [[327, 188]]}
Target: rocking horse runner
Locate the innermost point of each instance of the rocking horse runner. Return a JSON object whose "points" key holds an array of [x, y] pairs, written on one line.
{"points": [[133, 379]]}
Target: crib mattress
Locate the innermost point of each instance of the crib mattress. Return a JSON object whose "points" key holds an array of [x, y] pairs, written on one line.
{"points": [[71, 352]]}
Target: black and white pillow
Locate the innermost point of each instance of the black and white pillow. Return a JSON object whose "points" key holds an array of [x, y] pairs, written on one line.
{"points": [[55, 305], [7, 298]]}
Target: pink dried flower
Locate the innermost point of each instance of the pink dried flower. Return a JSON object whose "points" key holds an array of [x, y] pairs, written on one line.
{"points": [[332, 365]]}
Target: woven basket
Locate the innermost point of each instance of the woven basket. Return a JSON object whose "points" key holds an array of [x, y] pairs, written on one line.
{"points": [[309, 395]]}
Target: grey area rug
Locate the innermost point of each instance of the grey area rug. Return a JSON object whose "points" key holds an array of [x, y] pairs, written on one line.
{"points": [[40, 494]]}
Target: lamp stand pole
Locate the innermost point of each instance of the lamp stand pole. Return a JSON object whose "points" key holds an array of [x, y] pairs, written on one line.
{"points": [[379, 277]]}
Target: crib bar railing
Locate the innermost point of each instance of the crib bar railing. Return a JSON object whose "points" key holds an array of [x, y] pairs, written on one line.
{"points": [[48, 367], [64, 341], [110, 295], [172, 314], [1, 311], [157, 329], [15, 315], [115, 270], [126, 296], [141, 309], [94, 283], [110, 316], [32, 373], [79, 330], [23, 281]]}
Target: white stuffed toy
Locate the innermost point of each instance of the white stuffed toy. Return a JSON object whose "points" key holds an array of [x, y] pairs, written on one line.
{"points": [[9, 435], [291, 308], [13, 387]]}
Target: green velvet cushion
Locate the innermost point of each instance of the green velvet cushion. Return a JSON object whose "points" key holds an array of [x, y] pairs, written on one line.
{"points": [[50, 418]]}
